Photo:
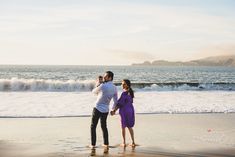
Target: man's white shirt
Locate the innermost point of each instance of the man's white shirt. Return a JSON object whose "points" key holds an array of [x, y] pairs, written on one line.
{"points": [[106, 91]]}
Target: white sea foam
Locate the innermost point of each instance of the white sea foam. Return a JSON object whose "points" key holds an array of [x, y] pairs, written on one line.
{"points": [[56, 104], [17, 84]]}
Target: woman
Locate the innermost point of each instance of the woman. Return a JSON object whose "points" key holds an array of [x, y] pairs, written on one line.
{"points": [[126, 111]]}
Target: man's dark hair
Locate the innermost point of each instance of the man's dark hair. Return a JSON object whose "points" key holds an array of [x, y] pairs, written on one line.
{"points": [[110, 74]]}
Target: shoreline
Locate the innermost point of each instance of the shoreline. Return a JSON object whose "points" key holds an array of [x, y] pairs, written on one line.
{"points": [[160, 113]]}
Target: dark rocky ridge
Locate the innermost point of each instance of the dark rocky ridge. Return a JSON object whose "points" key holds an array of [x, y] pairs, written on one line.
{"points": [[209, 61]]}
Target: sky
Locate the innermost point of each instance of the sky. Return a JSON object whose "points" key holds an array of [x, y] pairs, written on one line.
{"points": [[114, 32]]}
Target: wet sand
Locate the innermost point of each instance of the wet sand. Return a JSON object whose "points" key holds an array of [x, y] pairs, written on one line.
{"points": [[156, 134]]}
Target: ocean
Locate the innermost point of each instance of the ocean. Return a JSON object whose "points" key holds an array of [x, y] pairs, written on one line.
{"points": [[65, 91]]}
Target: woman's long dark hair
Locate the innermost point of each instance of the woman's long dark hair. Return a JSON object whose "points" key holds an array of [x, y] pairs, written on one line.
{"points": [[130, 91]]}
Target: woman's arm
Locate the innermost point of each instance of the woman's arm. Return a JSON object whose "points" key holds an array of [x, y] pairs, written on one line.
{"points": [[120, 103], [115, 109]]}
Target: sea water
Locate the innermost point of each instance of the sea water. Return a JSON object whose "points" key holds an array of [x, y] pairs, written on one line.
{"points": [[63, 91]]}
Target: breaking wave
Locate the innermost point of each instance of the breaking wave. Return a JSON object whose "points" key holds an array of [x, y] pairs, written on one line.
{"points": [[20, 84]]}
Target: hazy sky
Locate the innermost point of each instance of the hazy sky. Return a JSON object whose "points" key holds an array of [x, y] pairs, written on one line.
{"points": [[109, 32]]}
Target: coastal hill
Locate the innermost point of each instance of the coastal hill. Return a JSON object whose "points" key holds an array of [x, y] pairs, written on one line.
{"points": [[209, 61]]}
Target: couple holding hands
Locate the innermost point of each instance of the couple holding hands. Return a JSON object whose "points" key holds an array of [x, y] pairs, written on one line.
{"points": [[105, 91]]}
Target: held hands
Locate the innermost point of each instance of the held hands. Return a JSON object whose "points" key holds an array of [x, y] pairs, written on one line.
{"points": [[112, 113]]}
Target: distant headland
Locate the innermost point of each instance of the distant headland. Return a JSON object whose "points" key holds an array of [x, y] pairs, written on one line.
{"points": [[228, 61]]}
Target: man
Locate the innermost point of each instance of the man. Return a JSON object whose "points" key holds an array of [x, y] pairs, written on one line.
{"points": [[105, 91]]}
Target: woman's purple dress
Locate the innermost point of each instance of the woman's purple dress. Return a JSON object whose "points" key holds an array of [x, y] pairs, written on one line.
{"points": [[126, 110]]}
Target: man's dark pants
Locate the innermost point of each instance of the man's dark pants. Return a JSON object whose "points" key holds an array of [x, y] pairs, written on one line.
{"points": [[96, 115]]}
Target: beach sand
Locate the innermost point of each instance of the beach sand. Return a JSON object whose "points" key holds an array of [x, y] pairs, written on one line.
{"points": [[156, 134]]}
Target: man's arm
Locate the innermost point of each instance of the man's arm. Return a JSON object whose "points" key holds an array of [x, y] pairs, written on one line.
{"points": [[97, 89], [115, 99]]}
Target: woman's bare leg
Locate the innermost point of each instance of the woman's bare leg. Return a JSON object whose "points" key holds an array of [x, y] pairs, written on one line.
{"points": [[123, 137], [132, 136]]}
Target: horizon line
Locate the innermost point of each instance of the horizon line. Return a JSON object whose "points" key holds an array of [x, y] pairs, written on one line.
{"points": [[114, 64]]}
